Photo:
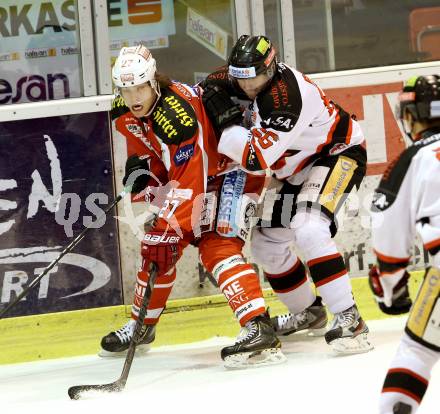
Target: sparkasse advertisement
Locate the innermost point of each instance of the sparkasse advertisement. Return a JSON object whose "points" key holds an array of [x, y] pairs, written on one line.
{"points": [[40, 51]]}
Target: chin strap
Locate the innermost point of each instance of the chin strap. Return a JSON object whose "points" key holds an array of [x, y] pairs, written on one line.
{"points": [[155, 85]]}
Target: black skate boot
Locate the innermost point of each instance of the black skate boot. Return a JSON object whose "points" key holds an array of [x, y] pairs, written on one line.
{"points": [[348, 333], [117, 343], [314, 319], [256, 344]]}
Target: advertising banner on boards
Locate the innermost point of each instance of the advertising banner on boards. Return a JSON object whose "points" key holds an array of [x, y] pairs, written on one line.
{"points": [[373, 106], [40, 50], [56, 178]]}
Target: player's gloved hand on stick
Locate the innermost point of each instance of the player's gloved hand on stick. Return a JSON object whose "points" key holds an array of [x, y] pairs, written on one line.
{"points": [[390, 291], [162, 248], [136, 173], [221, 109]]}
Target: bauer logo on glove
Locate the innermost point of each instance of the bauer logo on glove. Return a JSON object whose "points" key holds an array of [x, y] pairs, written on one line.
{"points": [[391, 295]]}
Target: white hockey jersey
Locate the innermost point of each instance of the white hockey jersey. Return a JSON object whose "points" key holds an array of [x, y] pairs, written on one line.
{"points": [[408, 201], [293, 124]]}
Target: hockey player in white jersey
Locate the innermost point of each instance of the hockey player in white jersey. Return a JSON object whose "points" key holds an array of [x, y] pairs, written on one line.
{"points": [[406, 203], [315, 149]]}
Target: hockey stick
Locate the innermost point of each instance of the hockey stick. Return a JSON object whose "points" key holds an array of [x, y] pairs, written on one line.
{"points": [[72, 244], [76, 392]]}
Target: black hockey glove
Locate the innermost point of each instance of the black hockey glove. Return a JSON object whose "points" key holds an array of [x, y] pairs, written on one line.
{"points": [[400, 300], [140, 168], [222, 111]]}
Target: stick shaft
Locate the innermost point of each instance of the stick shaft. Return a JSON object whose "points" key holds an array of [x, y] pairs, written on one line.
{"points": [[66, 250]]}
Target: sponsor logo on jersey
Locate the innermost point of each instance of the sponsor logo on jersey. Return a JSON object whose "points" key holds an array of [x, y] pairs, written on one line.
{"points": [[279, 94], [34, 88], [281, 121], [174, 120], [183, 90], [230, 197], [184, 154], [338, 148], [181, 114]]}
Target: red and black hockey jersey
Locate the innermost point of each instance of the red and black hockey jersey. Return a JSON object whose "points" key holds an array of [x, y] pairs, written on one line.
{"points": [[181, 146]]}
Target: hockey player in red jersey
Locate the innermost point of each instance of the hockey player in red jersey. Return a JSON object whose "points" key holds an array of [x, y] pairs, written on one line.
{"points": [[314, 149], [406, 203], [172, 139]]}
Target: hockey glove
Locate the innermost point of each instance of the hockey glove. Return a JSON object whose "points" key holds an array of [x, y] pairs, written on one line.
{"points": [[392, 300], [222, 111], [136, 173], [161, 248]]}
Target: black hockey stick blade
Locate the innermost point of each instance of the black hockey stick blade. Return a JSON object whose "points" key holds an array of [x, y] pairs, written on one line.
{"points": [[78, 391]]}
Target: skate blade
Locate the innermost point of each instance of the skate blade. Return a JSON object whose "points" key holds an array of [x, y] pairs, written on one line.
{"points": [[140, 350], [270, 356], [347, 346]]}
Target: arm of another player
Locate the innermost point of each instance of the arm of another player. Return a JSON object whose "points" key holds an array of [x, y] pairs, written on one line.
{"points": [[393, 232]]}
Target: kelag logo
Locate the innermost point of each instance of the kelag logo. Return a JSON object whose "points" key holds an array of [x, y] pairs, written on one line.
{"points": [[35, 88], [184, 154]]}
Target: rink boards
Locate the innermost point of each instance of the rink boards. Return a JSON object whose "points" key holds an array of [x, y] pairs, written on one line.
{"points": [[78, 166]]}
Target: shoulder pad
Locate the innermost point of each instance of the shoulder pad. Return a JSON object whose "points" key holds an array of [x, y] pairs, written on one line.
{"points": [[280, 104], [118, 107], [386, 193], [174, 119], [187, 91]]}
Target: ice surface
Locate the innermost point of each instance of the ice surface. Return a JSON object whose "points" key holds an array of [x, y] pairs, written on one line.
{"points": [[191, 379]]}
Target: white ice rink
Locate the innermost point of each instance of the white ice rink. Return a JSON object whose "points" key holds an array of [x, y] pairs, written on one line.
{"points": [[191, 379]]}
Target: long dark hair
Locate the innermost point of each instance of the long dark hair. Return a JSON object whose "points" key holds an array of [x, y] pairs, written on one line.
{"points": [[163, 80]]}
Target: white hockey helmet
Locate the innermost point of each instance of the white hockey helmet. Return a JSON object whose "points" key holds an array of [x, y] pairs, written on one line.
{"points": [[135, 65]]}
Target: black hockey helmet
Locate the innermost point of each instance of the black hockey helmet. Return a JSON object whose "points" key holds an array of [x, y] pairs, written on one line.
{"points": [[251, 56], [421, 97]]}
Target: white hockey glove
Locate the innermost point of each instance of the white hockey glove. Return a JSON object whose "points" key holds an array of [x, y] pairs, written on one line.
{"points": [[391, 291]]}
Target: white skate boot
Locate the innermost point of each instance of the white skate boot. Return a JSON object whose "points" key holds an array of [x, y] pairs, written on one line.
{"points": [[348, 333]]}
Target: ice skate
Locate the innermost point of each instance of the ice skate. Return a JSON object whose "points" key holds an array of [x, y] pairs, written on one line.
{"points": [[348, 333], [313, 319], [256, 345], [116, 343]]}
